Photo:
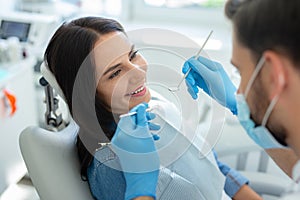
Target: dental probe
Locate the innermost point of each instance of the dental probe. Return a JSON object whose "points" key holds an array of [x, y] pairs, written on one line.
{"points": [[174, 89], [133, 113], [155, 136]]}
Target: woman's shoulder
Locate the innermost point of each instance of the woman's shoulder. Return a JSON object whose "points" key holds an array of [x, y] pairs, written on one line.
{"points": [[104, 175], [105, 165], [104, 154], [105, 160]]}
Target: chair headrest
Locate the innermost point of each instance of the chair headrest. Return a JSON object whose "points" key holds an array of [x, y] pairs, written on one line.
{"points": [[47, 74]]}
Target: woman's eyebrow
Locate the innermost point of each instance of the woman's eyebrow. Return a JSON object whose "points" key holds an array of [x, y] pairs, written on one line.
{"points": [[117, 65], [112, 68]]}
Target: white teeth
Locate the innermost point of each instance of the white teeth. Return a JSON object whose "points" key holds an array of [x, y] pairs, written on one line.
{"points": [[137, 91]]}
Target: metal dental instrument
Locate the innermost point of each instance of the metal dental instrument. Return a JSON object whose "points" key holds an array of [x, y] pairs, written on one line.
{"points": [[133, 113], [175, 89], [155, 136]]}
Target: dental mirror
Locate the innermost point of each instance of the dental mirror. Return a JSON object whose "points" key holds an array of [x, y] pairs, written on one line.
{"points": [[175, 89]]}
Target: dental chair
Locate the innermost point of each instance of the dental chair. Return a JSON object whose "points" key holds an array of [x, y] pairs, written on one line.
{"points": [[50, 153]]}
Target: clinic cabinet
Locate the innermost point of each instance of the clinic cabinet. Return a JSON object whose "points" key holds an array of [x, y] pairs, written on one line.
{"points": [[17, 111]]}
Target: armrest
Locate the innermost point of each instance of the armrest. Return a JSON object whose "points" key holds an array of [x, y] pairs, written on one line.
{"points": [[268, 184]]}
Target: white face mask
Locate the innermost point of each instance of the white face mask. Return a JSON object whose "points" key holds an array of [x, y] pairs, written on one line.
{"points": [[260, 134]]}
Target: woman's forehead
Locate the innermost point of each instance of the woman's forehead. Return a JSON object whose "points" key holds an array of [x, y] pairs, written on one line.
{"points": [[109, 48]]}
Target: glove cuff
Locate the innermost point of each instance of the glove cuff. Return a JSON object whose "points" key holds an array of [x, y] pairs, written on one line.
{"points": [[141, 184], [130, 197], [234, 110]]}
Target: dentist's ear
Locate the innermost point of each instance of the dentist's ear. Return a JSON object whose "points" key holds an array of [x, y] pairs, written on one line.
{"points": [[281, 80], [277, 72]]}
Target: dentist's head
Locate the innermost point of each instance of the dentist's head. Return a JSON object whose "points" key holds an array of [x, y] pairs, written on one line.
{"points": [[268, 31]]}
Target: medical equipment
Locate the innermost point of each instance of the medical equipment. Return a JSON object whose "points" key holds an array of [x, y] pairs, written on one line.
{"points": [[32, 29], [133, 113], [174, 89], [53, 119]]}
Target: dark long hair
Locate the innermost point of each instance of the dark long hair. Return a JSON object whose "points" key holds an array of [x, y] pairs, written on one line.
{"points": [[267, 25], [67, 50]]}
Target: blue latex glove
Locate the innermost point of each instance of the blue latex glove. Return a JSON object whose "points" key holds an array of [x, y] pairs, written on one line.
{"points": [[152, 126], [134, 145], [212, 78]]}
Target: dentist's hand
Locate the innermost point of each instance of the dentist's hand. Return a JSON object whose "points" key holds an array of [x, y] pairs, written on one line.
{"points": [[212, 78], [134, 145]]}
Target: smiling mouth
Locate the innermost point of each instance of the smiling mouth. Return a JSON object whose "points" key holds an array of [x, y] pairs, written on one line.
{"points": [[137, 91]]}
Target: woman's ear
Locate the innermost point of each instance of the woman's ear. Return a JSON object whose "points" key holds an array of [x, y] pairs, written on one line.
{"points": [[277, 73]]}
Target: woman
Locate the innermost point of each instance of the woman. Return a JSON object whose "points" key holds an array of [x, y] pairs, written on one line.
{"points": [[102, 76]]}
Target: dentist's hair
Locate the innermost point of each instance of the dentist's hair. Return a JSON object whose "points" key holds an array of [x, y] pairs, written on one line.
{"points": [[267, 25], [65, 54]]}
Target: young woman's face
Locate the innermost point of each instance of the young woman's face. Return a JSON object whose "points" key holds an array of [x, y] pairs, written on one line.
{"points": [[121, 73]]}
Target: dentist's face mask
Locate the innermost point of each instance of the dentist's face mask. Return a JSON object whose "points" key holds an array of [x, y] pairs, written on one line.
{"points": [[260, 134]]}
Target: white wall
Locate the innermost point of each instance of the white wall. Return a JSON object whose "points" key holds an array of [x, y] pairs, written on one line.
{"points": [[7, 5]]}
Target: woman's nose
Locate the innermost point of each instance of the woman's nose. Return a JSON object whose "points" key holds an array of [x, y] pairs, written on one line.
{"points": [[136, 73]]}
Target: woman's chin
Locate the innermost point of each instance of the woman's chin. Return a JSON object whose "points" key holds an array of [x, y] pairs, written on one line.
{"points": [[135, 102]]}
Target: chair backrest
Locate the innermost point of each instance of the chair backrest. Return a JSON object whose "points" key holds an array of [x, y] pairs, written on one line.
{"points": [[52, 162]]}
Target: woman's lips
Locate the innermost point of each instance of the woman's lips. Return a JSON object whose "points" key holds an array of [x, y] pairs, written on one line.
{"points": [[141, 92]]}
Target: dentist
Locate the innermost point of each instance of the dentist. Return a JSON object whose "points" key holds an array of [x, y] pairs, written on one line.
{"points": [[266, 38]]}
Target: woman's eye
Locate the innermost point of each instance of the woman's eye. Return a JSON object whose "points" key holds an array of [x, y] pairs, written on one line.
{"points": [[133, 55], [116, 73]]}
